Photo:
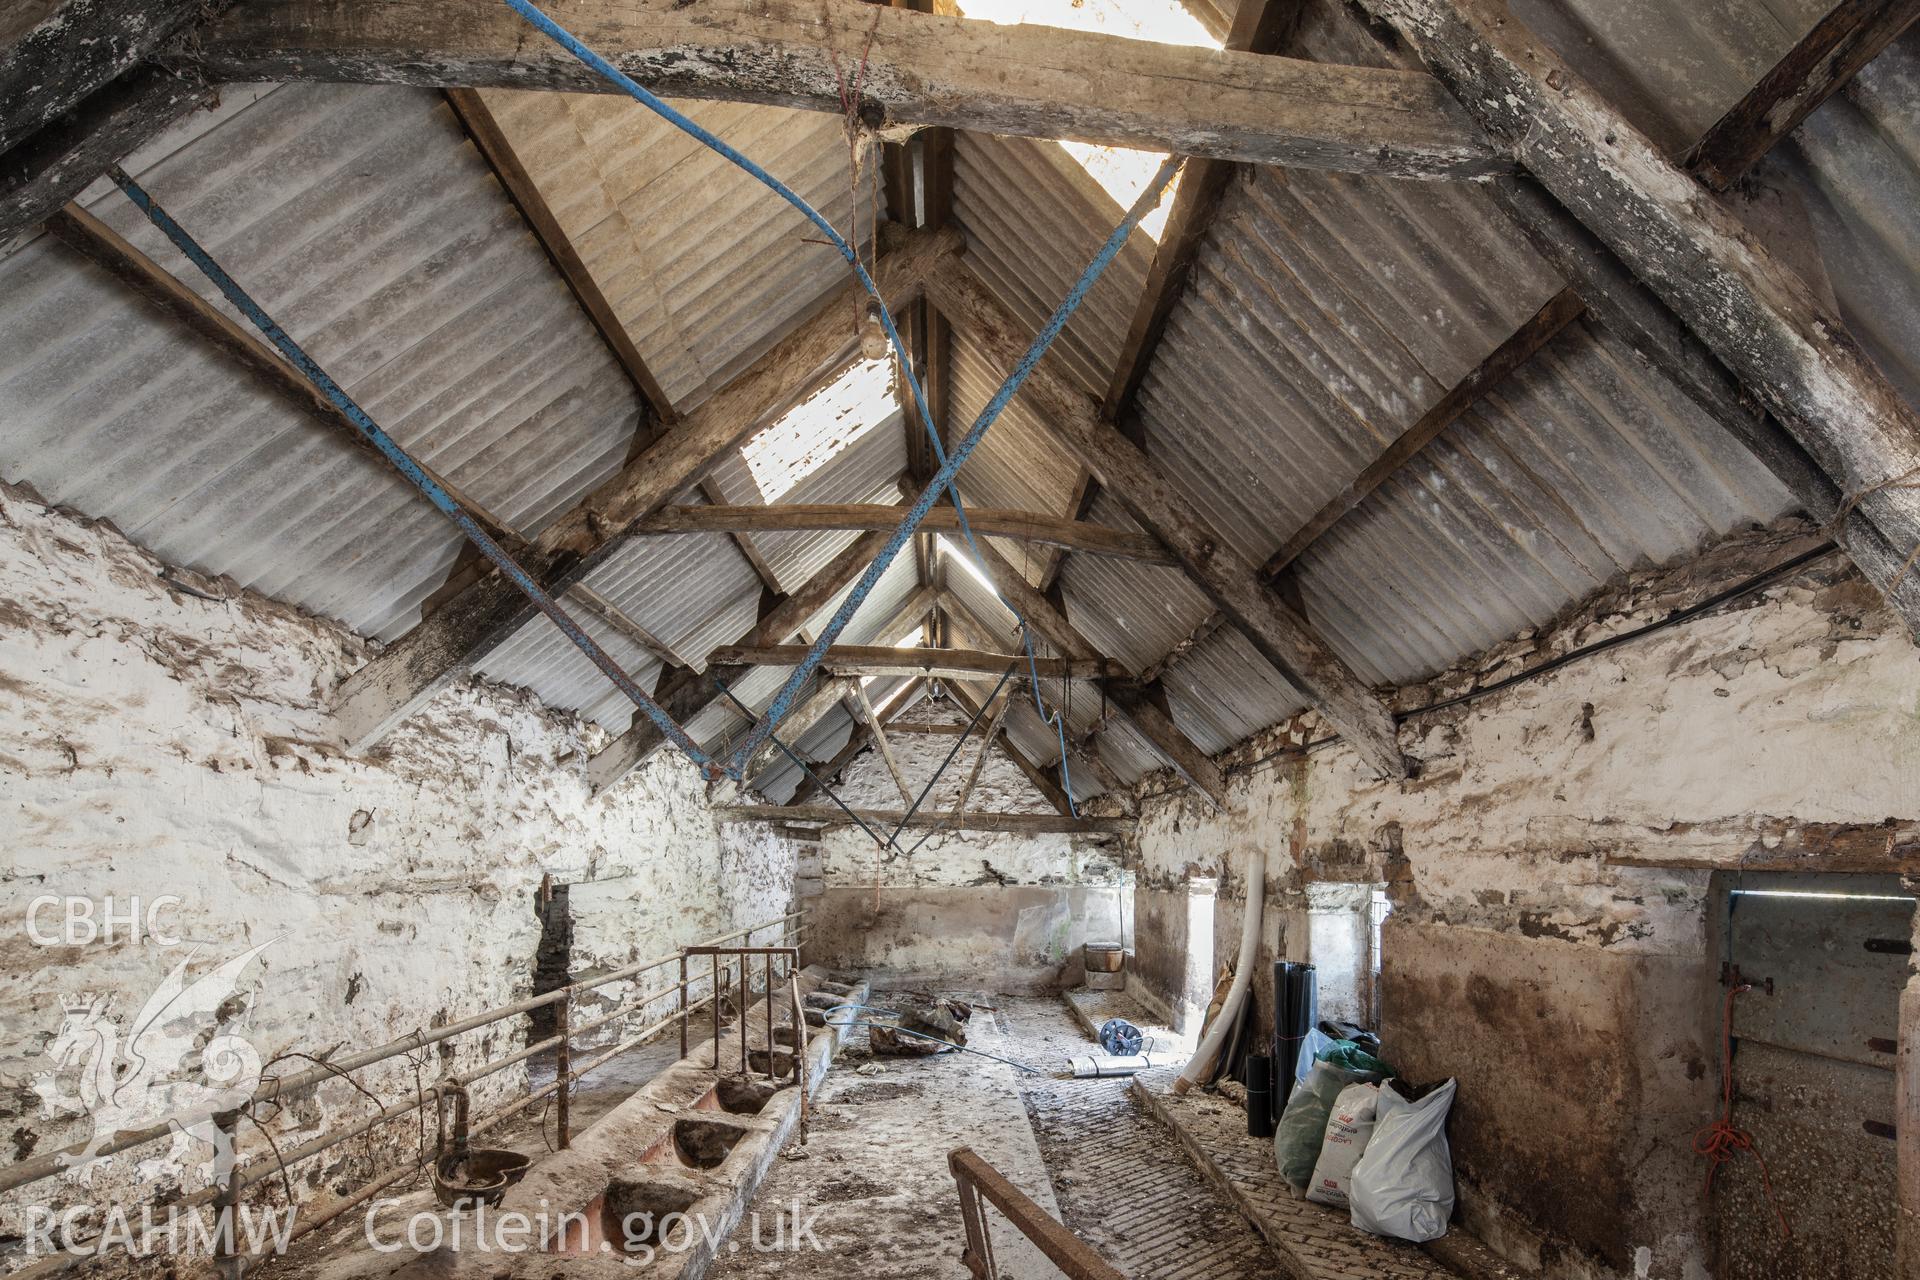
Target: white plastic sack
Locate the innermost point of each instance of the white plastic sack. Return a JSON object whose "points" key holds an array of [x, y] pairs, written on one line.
{"points": [[1349, 1126], [1403, 1184]]}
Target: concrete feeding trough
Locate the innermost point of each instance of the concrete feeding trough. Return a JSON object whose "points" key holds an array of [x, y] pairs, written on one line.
{"points": [[625, 1218], [739, 1095], [691, 1144], [777, 1063], [695, 1144]]}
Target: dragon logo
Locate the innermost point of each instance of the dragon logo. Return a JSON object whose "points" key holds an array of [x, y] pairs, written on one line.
{"points": [[172, 1067]]}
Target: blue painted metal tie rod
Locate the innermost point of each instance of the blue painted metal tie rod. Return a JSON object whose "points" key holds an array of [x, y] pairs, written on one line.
{"points": [[405, 463], [782, 702]]}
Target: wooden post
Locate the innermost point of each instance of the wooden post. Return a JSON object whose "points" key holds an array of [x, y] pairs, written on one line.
{"points": [[746, 1003], [683, 1004], [880, 741], [716, 1011], [769, 1015], [563, 1069]]}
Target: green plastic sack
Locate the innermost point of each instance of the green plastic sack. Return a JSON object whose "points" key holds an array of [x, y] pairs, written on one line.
{"points": [[1303, 1125]]}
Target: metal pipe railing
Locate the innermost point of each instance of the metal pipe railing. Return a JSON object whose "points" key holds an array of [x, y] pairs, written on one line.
{"points": [[271, 1090], [23, 1172]]}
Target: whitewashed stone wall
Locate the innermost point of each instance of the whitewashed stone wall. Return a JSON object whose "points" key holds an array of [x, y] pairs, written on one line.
{"points": [[1779, 723], [156, 742], [1007, 910]]}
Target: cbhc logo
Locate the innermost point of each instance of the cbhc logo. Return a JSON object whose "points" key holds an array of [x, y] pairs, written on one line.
{"points": [[77, 922]]}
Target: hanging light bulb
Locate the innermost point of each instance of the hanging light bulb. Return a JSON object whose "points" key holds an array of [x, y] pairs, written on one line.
{"points": [[873, 334]]}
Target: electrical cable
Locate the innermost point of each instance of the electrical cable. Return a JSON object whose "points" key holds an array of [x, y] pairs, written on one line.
{"points": [[954, 751]]}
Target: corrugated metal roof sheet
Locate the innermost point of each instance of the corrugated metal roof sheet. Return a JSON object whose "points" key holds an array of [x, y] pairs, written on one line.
{"points": [[365, 223], [704, 266], [846, 444], [1134, 613], [1034, 219], [875, 618], [1222, 690], [1017, 464], [1854, 165], [1671, 69], [1323, 315], [1581, 465]]}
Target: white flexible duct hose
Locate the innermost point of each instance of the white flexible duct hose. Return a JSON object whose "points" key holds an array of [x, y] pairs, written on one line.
{"points": [[1200, 1066]]}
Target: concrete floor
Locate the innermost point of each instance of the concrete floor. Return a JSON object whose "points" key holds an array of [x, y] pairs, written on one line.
{"points": [[872, 1180], [874, 1165]]}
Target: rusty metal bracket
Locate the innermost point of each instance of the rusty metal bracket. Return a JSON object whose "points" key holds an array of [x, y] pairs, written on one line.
{"points": [[979, 1185], [1730, 976]]}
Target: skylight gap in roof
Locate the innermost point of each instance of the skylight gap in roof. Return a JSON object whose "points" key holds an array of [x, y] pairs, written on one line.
{"points": [[1121, 172], [820, 428]]}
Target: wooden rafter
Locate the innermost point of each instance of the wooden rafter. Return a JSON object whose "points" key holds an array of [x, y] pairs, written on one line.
{"points": [[988, 735], [687, 693], [911, 615], [1628, 308], [1028, 823], [525, 195], [857, 741], [921, 69], [57, 54], [996, 736], [617, 618], [1157, 728], [1559, 311], [115, 255], [1020, 526], [1756, 315], [1228, 578], [879, 733], [831, 692], [1810, 72], [937, 663], [484, 616], [1081, 753], [1852, 34], [1261, 27]]}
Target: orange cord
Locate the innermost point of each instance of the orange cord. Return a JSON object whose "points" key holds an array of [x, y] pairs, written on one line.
{"points": [[1720, 1141]]}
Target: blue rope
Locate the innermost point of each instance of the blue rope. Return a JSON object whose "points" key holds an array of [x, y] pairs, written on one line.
{"points": [[404, 462], [782, 702], [943, 478]]}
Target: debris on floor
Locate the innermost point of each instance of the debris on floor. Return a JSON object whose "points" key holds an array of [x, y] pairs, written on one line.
{"points": [[920, 1026]]}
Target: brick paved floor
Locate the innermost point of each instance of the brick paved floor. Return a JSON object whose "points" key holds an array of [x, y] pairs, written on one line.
{"points": [[1313, 1240], [1121, 1185]]}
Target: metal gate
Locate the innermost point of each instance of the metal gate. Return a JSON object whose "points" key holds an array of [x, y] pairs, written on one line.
{"points": [[1813, 1050]]}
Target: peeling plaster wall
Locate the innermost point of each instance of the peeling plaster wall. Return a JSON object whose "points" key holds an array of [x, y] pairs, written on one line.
{"points": [[166, 734], [1573, 996], [1000, 911]]}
